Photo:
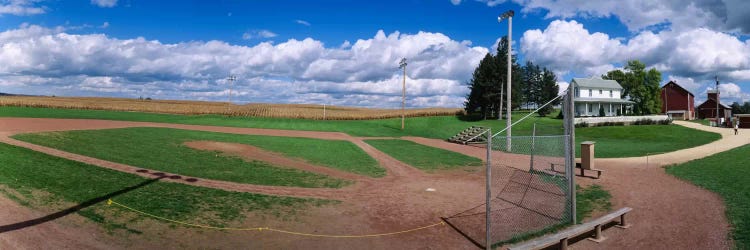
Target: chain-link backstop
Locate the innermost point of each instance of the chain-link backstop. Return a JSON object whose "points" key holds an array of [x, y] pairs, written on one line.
{"points": [[531, 189]]}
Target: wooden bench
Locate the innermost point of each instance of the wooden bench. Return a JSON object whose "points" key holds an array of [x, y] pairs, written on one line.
{"points": [[579, 166], [562, 237]]}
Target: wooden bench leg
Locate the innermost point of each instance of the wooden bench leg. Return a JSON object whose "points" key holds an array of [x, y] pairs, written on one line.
{"points": [[623, 224], [564, 244], [598, 237]]}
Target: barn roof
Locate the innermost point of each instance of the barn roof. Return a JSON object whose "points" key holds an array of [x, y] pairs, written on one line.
{"points": [[596, 82], [675, 83], [714, 104]]}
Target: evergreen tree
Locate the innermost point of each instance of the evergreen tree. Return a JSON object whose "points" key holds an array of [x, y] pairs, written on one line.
{"points": [[548, 90], [481, 93], [488, 79]]}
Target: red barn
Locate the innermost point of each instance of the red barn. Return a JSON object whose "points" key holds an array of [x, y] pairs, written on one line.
{"points": [[707, 109], [677, 102]]}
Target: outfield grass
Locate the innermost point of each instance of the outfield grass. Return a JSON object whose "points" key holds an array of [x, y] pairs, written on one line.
{"points": [[423, 157], [37, 179], [440, 127], [630, 141], [614, 141], [162, 149], [727, 174]]}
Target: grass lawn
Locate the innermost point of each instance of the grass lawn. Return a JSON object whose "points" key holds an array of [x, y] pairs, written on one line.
{"points": [[39, 180], [590, 199], [162, 149], [617, 141], [629, 141], [440, 127], [701, 121], [423, 157], [727, 174]]}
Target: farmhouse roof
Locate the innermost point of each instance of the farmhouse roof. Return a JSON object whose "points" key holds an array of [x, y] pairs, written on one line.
{"points": [[683, 89], [596, 82]]}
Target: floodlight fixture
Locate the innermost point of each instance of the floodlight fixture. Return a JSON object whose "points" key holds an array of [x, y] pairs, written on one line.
{"points": [[506, 15]]}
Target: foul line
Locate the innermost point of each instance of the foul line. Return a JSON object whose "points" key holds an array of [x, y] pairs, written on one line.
{"points": [[111, 202]]}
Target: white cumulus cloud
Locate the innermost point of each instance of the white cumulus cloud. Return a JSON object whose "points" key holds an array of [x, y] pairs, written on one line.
{"points": [[20, 7], [38, 60]]}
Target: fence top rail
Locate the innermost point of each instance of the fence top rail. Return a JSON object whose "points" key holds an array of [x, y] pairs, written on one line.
{"points": [[527, 116], [532, 136]]}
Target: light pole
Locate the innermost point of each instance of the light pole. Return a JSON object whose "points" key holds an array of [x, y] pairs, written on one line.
{"points": [[508, 15], [717, 101], [231, 79], [402, 65]]}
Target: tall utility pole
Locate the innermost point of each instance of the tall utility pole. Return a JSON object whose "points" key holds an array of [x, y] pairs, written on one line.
{"points": [[508, 15], [402, 65], [717, 101], [231, 79]]}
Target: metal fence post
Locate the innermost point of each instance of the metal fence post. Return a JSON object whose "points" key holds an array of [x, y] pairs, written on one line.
{"points": [[488, 180], [533, 140], [570, 153]]}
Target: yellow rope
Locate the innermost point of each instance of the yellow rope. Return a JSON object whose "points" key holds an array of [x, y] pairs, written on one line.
{"points": [[110, 202]]}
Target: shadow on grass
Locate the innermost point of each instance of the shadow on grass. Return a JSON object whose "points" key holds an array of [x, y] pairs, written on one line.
{"points": [[76, 208]]}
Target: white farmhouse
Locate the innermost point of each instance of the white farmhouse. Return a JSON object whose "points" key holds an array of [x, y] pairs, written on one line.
{"points": [[592, 94]]}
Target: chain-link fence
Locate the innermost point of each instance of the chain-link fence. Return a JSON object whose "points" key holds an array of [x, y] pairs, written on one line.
{"points": [[530, 191], [530, 187]]}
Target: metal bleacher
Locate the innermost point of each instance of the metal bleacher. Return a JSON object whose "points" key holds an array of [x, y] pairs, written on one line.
{"points": [[471, 135]]}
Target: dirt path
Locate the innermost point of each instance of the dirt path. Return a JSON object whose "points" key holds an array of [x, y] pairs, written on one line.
{"points": [[669, 213]]}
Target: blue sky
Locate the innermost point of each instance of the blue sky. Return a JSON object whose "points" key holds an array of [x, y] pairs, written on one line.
{"points": [[346, 52]]}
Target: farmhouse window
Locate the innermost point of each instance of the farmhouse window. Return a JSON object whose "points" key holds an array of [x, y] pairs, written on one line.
{"points": [[591, 107], [589, 95], [600, 91], [610, 93]]}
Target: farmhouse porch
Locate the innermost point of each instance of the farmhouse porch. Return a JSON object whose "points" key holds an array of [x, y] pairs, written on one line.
{"points": [[591, 106]]}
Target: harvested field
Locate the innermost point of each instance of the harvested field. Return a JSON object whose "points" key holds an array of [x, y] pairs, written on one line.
{"points": [[301, 111]]}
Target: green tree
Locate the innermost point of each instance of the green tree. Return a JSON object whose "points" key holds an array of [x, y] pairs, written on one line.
{"points": [[548, 90], [481, 87], [487, 81], [746, 108], [641, 86], [736, 108]]}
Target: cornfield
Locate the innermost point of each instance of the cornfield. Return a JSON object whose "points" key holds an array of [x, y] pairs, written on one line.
{"points": [[300, 111]]}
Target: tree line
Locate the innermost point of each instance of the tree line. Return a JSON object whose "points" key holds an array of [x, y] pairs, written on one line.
{"points": [[639, 85], [532, 86], [740, 109]]}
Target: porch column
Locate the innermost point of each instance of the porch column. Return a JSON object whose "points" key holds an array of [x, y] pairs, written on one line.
{"points": [[610, 109]]}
